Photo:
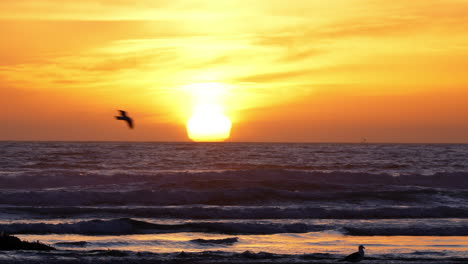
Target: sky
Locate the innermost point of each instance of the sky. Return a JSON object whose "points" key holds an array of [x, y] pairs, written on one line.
{"points": [[281, 71]]}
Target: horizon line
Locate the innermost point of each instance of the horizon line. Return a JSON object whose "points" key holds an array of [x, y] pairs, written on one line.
{"points": [[240, 142]]}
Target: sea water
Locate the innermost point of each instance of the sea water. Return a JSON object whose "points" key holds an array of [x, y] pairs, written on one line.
{"points": [[297, 202]]}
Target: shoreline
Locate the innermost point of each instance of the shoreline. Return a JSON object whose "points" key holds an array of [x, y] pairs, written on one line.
{"points": [[214, 257]]}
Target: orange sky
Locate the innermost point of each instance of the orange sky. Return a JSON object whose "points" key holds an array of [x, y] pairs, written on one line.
{"points": [[305, 71]]}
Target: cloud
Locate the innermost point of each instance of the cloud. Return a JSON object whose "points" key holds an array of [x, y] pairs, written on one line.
{"points": [[293, 55], [273, 76]]}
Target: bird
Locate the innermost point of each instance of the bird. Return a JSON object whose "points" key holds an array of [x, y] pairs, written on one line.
{"points": [[356, 256], [123, 116]]}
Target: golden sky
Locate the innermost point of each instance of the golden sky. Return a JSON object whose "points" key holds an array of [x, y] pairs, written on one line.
{"points": [[289, 71]]}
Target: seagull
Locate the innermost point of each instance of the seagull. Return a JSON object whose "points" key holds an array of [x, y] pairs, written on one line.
{"points": [[356, 256], [123, 116]]}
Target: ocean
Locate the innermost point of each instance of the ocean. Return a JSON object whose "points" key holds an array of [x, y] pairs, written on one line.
{"points": [[146, 202]]}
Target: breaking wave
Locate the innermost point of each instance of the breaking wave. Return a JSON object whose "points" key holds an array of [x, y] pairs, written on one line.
{"points": [[127, 226], [248, 187], [409, 231], [234, 179], [225, 241], [239, 212]]}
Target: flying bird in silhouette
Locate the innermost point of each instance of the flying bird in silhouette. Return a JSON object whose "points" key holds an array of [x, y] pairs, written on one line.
{"points": [[356, 256], [123, 116]]}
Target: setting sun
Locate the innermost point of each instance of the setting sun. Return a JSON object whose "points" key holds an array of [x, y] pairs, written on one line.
{"points": [[208, 121], [208, 124]]}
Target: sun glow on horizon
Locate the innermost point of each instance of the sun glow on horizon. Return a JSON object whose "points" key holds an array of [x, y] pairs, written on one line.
{"points": [[209, 124]]}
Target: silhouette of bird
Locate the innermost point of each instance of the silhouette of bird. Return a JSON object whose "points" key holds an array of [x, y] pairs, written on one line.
{"points": [[123, 116], [356, 256]]}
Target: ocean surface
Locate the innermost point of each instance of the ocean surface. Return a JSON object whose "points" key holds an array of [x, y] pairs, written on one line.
{"points": [[235, 202]]}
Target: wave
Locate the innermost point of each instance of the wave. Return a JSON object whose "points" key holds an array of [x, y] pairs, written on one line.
{"points": [[226, 196], [72, 244], [239, 212], [125, 226], [289, 179], [428, 253], [118, 256], [128, 226], [225, 241], [408, 231], [249, 187]]}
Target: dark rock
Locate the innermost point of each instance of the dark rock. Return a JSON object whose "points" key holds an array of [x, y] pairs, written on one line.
{"points": [[183, 255], [8, 242]]}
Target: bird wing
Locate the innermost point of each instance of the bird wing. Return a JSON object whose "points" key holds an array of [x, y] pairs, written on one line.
{"points": [[123, 113], [129, 122]]}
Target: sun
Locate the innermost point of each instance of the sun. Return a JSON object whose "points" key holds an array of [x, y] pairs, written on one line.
{"points": [[208, 124]]}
